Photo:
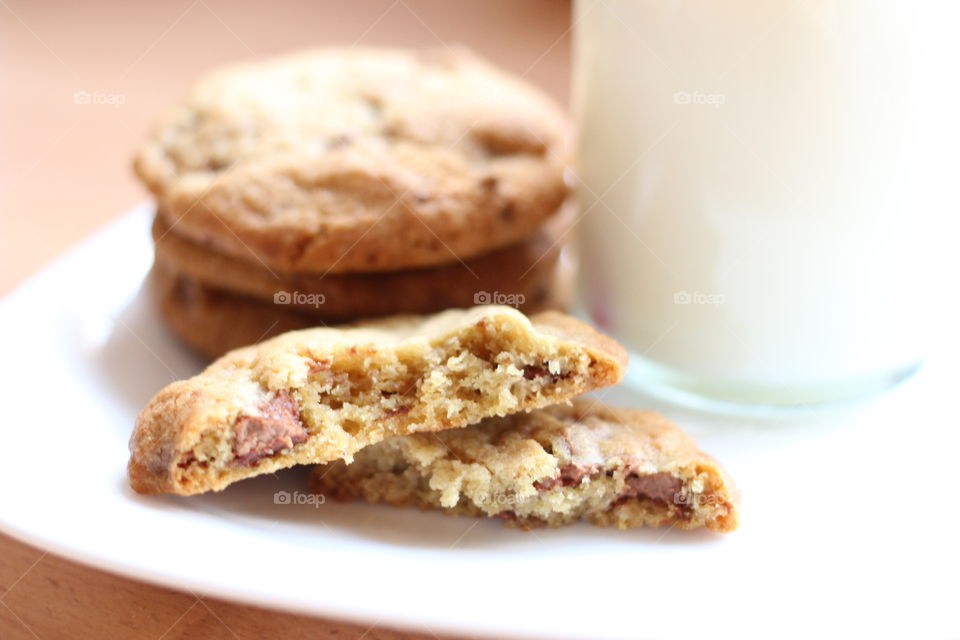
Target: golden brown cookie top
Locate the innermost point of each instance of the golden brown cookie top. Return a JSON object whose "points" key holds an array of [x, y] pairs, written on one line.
{"points": [[358, 159]]}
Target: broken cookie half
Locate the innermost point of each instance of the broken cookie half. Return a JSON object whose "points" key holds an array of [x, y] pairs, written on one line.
{"points": [[320, 395], [612, 467]]}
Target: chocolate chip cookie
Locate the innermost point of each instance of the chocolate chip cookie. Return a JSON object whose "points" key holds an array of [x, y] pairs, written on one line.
{"points": [[523, 274], [320, 395], [358, 160], [213, 321], [609, 466]]}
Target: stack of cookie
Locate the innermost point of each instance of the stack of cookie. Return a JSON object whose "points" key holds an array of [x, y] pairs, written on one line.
{"points": [[340, 184]]}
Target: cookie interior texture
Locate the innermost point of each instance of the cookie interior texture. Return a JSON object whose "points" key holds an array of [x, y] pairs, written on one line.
{"points": [[319, 395], [611, 467]]}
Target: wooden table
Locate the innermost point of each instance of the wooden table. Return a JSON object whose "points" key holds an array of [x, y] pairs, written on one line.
{"points": [[64, 172]]}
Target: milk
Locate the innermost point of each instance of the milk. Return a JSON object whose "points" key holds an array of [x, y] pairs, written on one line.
{"points": [[757, 178]]}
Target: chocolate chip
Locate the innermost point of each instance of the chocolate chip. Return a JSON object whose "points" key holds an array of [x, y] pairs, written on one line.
{"points": [[532, 371], [662, 487], [571, 475], [276, 427], [187, 459], [546, 484]]}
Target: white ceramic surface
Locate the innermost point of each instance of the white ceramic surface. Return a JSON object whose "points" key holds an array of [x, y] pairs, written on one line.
{"points": [[849, 518]]}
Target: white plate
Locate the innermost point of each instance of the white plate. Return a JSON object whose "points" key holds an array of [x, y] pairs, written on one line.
{"points": [[848, 518]]}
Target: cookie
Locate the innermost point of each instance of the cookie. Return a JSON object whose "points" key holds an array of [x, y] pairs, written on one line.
{"points": [[611, 467], [358, 160], [320, 395], [516, 274], [213, 321]]}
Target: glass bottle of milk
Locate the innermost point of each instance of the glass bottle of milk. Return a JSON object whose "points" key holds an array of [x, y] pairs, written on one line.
{"points": [[755, 177]]}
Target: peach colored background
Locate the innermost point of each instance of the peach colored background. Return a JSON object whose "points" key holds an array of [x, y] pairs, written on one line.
{"points": [[64, 172]]}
